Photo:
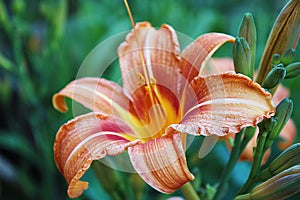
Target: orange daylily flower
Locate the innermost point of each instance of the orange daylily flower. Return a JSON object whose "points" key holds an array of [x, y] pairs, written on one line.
{"points": [[288, 133], [162, 98]]}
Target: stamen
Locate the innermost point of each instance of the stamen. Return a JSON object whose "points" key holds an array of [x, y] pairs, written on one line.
{"points": [[138, 44], [158, 112], [129, 13], [141, 79], [153, 80]]}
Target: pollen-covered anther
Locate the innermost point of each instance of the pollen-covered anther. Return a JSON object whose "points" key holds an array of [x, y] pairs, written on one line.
{"points": [[141, 79]]}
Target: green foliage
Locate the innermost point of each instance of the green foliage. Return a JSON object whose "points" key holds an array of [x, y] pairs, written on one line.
{"points": [[42, 45]]}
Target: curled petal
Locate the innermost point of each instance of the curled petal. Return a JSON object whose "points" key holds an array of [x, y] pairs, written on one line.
{"points": [[161, 163], [145, 50], [225, 104], [218, 66], [84, 139], [96, 94], [195, 56]]}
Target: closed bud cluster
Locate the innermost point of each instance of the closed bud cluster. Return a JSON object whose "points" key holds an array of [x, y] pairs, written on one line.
{"points": [[274, 77], [283, 114], [292, 70], [247, 30], [284, 32], [281, 186], [287, 159], [288, 57], [242, 57], [276, 59]]}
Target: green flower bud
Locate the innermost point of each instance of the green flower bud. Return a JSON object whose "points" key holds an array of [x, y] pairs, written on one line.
{"points": [[242, 56], [247, 30], [287, 159], [288, 57], [282, 35], [276, 59], [278, 187], [274, 77], [270, 124], [292, 70], [283, 114]]}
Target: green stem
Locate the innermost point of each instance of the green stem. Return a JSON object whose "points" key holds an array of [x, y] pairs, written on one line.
{"points": [[259, 152], [189, 192], [248, 135], [232, 161]]}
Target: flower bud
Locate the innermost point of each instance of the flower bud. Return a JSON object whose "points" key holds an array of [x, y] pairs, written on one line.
{"points": [[287, 159], [270, 124], [280, 186], [282, 35], [247, 30], [292, 70], [242, 57], [276, 59], [274, 77], [283, 114], [288, 57]]}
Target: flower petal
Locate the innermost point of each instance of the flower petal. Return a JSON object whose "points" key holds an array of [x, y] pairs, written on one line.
{"points": [[158, 49], [195, 56], [218, 66], [84, 139], [162, 106], [94, 93], [226, 103], [161, 163]]}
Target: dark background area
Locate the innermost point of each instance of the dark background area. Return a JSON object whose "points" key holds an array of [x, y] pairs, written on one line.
{"points": [[42, 45]]}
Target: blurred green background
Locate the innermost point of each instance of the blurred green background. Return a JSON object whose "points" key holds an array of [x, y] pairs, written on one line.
{"points": [[42, 45]]}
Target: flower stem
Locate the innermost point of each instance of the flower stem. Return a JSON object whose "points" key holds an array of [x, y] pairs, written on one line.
{"points": [[259, 152], [189, 192], [231, 163]]}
